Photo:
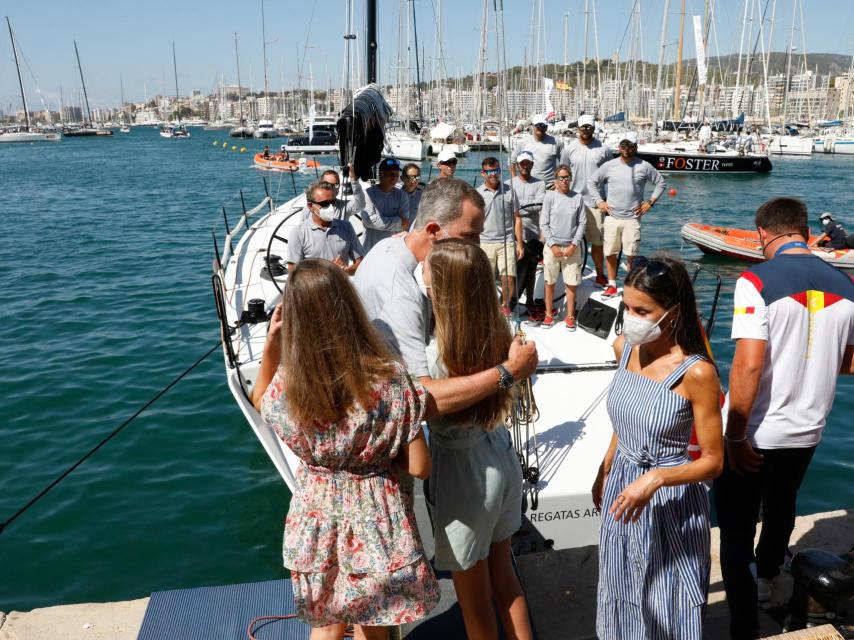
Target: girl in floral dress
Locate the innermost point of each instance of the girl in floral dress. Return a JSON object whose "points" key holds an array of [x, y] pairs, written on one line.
{"points": [[335, 395]]}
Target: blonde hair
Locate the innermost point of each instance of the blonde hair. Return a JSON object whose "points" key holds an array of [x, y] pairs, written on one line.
{"points": [[471, 333], [331, 354]]}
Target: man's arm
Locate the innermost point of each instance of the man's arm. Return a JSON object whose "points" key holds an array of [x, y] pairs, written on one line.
{"points": [[594, 185], [545, 219], [449, 395], [657, 180], [357, 202], [744, 379], [847, 368], [581, 224]]}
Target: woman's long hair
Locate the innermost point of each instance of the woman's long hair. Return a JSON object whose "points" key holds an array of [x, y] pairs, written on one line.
{"points": [[673, 288], [471, 333], [331, 354]]}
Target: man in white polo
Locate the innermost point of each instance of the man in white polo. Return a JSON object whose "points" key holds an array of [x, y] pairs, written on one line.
{"points": [[622, 202]]}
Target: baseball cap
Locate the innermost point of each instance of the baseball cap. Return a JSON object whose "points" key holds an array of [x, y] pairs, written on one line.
{"points": [[445, 155], [387, 164], [824, 215], [539, 120], [524, 155], [587, 120], [629, 136]]}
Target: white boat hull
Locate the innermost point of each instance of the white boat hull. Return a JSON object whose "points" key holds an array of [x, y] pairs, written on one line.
{"points": [[790, 146], [405, 147], [29, 136]]}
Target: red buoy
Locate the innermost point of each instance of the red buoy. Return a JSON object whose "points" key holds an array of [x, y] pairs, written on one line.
{"points": [[671, 193]]}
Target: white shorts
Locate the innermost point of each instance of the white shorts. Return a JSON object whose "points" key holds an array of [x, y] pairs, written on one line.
{"points": [[595, 229], [570, 267], [622, 235], [495, 254]]}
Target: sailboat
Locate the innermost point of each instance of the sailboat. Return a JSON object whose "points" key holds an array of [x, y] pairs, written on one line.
{"points": [[28, 133], [242, 130], [89, 128], [265, 125], [176, 130], [125, 128], [560, 440]]}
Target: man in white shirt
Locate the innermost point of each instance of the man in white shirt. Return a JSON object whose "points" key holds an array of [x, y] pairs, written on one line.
{"points": [[793, 324]]}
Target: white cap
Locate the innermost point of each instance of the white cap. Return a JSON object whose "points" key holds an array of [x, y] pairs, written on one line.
{"points": [[445, 155], [630, 136], [586, 119], [538, 118], [824, 215], [524, 155]]}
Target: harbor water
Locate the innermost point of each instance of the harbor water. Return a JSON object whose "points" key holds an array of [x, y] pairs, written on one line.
{"points": [[105, 266]]}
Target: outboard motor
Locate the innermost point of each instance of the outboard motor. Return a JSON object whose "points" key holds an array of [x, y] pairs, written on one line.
{"points": [[824, 585]]}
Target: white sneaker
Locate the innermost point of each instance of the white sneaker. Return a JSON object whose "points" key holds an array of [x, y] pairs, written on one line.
{"points": [[764, 587]]}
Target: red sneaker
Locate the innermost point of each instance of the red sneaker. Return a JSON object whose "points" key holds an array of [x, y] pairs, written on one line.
{"points": [[548, 322], [610, 291], [570, 323], [601, 280]]}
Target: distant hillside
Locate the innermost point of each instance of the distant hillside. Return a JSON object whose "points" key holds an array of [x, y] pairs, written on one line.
{"points": [[826, 63]]}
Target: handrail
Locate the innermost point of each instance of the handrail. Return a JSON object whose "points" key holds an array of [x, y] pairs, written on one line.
{"points": [[267, 202]]}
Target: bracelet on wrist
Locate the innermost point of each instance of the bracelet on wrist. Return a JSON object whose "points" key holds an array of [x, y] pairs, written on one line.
{"points": [[734, 440]]}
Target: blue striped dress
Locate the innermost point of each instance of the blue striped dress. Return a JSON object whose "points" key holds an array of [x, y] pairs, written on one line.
{"points": [[653, 573]]}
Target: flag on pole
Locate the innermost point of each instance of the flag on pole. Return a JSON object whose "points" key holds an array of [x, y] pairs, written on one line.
{"points": [[548, 85], [702, 69]]}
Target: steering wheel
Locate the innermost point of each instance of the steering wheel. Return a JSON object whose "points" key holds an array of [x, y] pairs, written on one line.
{"points": [[280, 238]]}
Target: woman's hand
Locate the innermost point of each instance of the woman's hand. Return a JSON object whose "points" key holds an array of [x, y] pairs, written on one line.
{"points": [[632, 499], [274, 331]]}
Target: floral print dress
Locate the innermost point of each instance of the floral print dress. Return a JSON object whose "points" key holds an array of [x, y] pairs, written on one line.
{"points": [[351, 541]]}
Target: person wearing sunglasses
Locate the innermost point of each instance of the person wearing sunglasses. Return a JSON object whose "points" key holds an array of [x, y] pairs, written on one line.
{"points": [[793, 326], [618, 190], [446, 163], [654, 541], [585, 155], [562, 224], [343, 208], [323, 235], [412, 187], [387, 208], [501, 238], [546, 150]]}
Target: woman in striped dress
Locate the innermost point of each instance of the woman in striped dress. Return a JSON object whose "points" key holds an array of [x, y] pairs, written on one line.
{"points": [[654, 553]]}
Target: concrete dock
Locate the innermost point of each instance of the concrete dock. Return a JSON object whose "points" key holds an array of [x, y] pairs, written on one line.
{"points": [[561, 589]]}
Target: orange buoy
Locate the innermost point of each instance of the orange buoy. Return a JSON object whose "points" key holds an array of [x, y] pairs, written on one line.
{"points": [[671, 193]]}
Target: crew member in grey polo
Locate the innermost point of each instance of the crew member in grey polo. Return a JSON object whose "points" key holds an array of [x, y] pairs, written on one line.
{"points": [[387, 208], [394, 302], [545, 149], [343, 208], [323, 236], [625, 182]]}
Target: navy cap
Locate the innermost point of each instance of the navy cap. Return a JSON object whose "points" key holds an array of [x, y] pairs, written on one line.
{"points": [[387, 164]]}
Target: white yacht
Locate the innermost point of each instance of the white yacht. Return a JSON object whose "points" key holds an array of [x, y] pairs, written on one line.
{"points": [[266, 129]]}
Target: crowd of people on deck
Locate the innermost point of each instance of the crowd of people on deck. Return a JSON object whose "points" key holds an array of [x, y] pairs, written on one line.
{"points": [[353, 367]]}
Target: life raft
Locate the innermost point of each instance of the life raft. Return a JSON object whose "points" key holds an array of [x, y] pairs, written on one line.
{"points": [[745, 245], [284, 165]]}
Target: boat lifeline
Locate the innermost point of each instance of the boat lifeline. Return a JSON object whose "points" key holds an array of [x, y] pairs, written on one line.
{"points": [[745, 245]]}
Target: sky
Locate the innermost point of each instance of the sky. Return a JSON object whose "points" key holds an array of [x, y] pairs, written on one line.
{"points": [[132, 41]]}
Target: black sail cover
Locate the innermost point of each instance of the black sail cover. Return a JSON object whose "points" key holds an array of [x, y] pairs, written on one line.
{"points": [[361, 130]]}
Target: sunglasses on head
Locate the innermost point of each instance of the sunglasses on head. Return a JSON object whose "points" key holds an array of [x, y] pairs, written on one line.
{"points": [[653, 268]]}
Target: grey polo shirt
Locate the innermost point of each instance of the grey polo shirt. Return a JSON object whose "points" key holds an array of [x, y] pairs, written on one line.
{"points": [[500, 210], [546, 155], [393, 301], [310, 240], [563, 219], [584, 160], [345, 208], [383, 214], [625, 182], [531, 191]]}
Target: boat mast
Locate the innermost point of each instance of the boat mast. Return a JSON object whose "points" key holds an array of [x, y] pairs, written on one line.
{"points": [[18, 68], [371, 6], [239, 92], [83, 82], [417, 68], [264, 51], [677, 90], [660, 66], [175, 69]]}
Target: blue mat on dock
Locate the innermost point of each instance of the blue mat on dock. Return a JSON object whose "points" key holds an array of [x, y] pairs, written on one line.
{"points": [[214, 613]]}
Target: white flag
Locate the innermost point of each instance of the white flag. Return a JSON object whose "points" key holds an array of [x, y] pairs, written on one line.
{"points": [[702, 70], [312, 112], [548, 85]]}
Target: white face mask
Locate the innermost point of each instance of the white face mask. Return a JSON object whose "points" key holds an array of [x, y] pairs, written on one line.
{"points": [[327, 213], [825, 221], [419, 278], [639, 331]]}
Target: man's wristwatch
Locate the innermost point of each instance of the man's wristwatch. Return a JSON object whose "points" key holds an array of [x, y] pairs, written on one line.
{"points": [[506, 380]]}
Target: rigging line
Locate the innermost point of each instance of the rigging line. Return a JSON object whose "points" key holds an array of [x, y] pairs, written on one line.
{"points": [[115, 432]]}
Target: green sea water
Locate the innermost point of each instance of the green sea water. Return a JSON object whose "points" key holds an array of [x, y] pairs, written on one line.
{"points": [[105, 265]]}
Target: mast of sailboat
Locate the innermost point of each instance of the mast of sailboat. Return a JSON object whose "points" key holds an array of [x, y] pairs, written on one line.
{"points": [[20, 79], [175, 69], [371, 6], [122, 91], [417, 69], [239, 92], [264, 52], [660, 66], [83, 82], [677, 91]]}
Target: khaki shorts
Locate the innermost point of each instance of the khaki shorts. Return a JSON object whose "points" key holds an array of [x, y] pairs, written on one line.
{"points": [[570, 267], [622, 234], [595, 229], [495, 254]]}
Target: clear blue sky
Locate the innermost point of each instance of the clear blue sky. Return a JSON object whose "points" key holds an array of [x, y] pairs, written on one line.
{"points": [[134, 39]]}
